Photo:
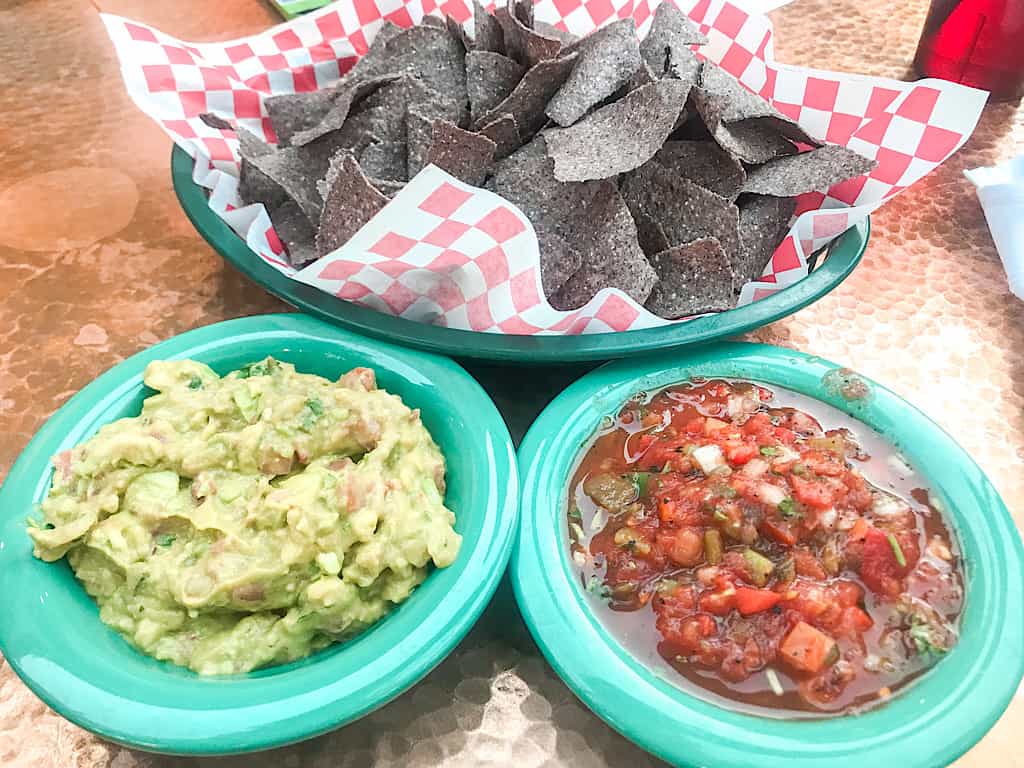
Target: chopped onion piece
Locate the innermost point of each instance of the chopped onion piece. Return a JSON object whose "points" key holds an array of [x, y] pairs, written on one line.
{"points": [[598, 521], [773, 681], [754, 468], [886, 505], [827, 518], [708, 458], [770, 494]]}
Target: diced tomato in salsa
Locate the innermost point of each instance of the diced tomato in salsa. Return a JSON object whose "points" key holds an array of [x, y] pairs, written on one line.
{"points": [[761, 547]]}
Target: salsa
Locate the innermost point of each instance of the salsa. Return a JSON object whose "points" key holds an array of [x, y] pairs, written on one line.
{"points": [[788, 563]]}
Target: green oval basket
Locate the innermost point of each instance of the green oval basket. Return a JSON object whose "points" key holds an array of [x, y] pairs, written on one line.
{"points": [[844, 254]]}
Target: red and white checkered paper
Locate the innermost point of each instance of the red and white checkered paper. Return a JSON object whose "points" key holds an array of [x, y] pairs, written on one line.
{"points": [[446, 253]]}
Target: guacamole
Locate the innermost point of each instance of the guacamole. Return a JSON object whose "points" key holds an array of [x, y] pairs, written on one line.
{"points": [[251, 519]]}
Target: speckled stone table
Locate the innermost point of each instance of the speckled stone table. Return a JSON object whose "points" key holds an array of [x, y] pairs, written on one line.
{"points": [[97, 261]]}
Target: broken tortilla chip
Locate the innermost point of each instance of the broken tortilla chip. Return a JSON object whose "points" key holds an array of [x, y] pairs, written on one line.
{"points": [[504, 132], [608, 58], [350, 200], [704, 163], [528, 100], [764, 222], [813, 171], [685, 211], [668, 41], [693, 278], [466, 156], [618, 137], [490, 78]]}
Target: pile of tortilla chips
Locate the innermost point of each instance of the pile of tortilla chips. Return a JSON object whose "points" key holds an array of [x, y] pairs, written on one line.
{"points": [[640, 166]]}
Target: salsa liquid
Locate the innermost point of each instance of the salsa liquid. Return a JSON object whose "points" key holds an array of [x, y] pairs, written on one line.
{"points": [[764, 550]]}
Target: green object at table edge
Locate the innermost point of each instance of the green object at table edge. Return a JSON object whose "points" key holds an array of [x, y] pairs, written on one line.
{"points": [[930, 723], [844, 255]]}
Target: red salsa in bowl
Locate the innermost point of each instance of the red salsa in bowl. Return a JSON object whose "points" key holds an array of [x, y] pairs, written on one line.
{"points": [[766, 548]]}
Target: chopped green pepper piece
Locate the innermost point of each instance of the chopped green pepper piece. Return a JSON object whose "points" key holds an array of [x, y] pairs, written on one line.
{"points": [[760, 566], [720, 516], [195, 383], [833, 655], [667, 585], [900, 558], [640, 482], [712, 546], [799, 469], [768, 450]]}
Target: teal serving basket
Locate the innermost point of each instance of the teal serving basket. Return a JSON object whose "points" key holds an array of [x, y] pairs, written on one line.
{"points": [[843, 255]]}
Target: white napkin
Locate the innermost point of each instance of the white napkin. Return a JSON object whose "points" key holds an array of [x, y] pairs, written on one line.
{"points": [[1001, 192]]}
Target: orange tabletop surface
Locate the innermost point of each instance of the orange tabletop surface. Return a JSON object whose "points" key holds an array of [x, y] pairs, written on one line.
{"points": [[97, 261]]}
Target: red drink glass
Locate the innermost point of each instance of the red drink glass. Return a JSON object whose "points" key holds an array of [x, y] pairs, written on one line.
{"points": [[975, 42]]}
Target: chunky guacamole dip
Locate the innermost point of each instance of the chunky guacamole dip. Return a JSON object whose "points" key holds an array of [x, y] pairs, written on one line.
{"points": [[251, 519]]}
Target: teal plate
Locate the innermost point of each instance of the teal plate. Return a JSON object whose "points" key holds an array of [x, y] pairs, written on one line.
{"points": [[51, 633], [928, 724], [844, 254]]}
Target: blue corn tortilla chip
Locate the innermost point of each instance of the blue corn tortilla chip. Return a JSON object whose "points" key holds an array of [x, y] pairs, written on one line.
{"points": [[466, 156], [295, 232], [254, 186], [649, 234], [550, 30], [612, 257], [504, 132], [667, 44], [618, 137], [753, 140], [522, 43], [289, 168], [387, 187], [813, 171], [608, 58], [731, 103], [490, 78], [350, 200], [528, 100], [487, 32], [385, 160], [458, 32], [419, 131], [685, 211], [292, 113], [764, 222], [693, 278], [556, 210], [704, 163], [345, 98], [214, 121]]}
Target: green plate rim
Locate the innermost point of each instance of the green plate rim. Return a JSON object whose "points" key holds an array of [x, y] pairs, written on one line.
{"points": [[845, 253], [931, 723], [304, 697]]}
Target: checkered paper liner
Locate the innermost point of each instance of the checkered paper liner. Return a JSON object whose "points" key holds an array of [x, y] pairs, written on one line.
{"points": [[446, 253]]}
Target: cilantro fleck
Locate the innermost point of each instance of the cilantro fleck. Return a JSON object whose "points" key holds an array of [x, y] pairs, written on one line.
{"points": [[262, 368], [596, 586], [921, 633], [897, 551], [166, 539], [787, 508], [195, 383], [575, 514], [314, 410]]}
